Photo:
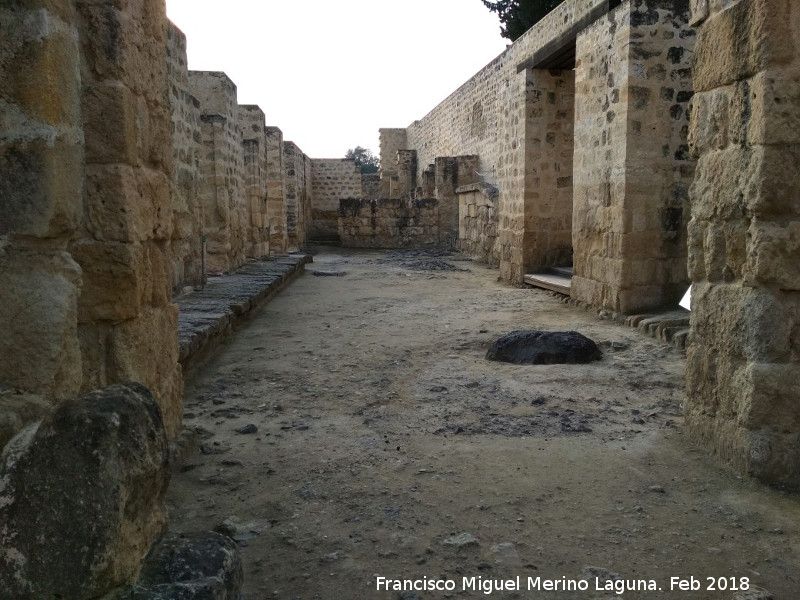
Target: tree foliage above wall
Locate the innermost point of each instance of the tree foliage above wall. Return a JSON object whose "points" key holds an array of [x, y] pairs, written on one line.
{"points": [[517, 16], [364, 158]]}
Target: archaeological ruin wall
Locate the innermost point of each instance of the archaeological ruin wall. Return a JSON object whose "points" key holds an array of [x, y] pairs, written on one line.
{"points": [[477, 222], [743, 357], [332, 179], [389, 223]]}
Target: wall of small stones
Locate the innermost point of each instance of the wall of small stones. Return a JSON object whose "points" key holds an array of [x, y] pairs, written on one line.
{"points": [[332, 179], [632, 166], [389, 223], [743, 356], [276, 203]]}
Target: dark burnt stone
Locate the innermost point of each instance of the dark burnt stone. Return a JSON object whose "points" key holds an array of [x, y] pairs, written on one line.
{"points": [[533, 347]]}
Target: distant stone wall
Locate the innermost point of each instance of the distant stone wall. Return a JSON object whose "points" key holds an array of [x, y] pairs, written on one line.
{"points": [[332, 179], [743, 358], [477, 222], [389, 223], [633, 170], [298, 194]]}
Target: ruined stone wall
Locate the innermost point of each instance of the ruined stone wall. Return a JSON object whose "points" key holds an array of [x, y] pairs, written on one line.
{"points": [[255, 150], [389, 223], [391, 141], [632, 168], [187, 213], [332, 179], [298, 194], [743, 358], [222, 198], [85, 174], [477, 222]]}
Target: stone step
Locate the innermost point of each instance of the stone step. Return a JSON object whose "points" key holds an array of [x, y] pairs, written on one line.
{"points": [[207, 316], [549, 281], [563, 271]]}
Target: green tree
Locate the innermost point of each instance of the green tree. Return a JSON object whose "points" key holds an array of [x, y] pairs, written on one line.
{"points": [[517, 16], [364, 158]]}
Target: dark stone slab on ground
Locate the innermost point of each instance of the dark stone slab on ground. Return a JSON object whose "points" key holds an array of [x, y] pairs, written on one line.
{"points": [[200, 566], [534, 347]]}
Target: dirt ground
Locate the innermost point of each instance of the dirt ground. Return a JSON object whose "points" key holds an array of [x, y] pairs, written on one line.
{"points": [[387, 446]]}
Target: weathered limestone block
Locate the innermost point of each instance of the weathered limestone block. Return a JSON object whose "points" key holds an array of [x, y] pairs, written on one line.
{"points": [[147, 348], [736, 43], [38, 309], [82, 496]]}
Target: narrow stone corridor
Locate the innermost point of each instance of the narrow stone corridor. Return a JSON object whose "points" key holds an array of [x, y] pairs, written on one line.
{"points": [[352, 430]]}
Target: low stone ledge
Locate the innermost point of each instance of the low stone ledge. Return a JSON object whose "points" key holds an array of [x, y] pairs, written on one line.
{"points": [[668, 325], [208, 316]]}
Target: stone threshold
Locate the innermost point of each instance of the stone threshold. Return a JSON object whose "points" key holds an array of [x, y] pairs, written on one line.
{"points": [[208, 316], [670, 325]]}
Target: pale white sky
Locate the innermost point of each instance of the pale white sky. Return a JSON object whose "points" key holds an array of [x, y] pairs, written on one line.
{"points": [[329, 73]]}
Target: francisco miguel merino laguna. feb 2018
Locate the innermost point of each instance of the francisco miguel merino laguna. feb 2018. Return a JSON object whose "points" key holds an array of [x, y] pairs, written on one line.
{"points": [[563, 584], [489, 586]]}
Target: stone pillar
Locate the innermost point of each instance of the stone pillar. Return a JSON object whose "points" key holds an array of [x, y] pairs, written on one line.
{"points": [[276, 199], [41, 197], [391, 142], [187, 213], [254, 155], [126, 322], [225, 210], [404, 184], [632, 169], [549, 144], [743, 358]]}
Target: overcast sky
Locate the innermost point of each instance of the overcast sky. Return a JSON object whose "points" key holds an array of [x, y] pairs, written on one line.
{"points": [[329, 73]]}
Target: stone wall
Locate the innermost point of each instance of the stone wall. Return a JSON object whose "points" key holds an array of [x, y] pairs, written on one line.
{"points": [[389, 223], [632, 169], [186, 244], [477, 222], [298, 194], [743, 358], [85, 176], [332, 179]]}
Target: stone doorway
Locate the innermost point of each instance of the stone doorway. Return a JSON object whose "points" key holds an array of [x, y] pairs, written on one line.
{"points": [[549, 146]]}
